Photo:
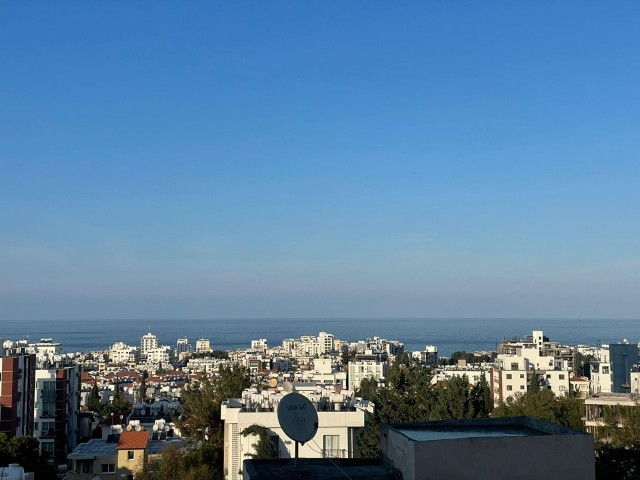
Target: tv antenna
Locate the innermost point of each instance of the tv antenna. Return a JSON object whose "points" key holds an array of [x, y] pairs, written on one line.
{"points": [[298, 419]]}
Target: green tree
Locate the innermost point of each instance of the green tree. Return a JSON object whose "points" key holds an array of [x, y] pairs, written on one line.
{"points": [[94, 399], [543, 404], [142, 391], [481, 397], [201, 405], [264, 447]]}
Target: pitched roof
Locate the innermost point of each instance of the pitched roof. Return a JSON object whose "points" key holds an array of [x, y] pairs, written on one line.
{"points": [[133, 440]]}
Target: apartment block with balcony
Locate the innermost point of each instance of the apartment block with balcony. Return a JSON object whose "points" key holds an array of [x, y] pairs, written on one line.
{"points": [[56, 409], [17, 373], [340, 418]]}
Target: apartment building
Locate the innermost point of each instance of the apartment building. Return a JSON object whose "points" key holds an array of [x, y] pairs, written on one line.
{"points": [[56, 407], [17, 377], [367, 365], [203, 345], [340, 417]]}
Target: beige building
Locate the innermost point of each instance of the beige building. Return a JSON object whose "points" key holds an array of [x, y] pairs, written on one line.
{"points": [[340, 417], [116, 458]]}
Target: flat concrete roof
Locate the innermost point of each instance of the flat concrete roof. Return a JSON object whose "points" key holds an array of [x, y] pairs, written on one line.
{"points": [[316, 469], [450, 433], [479, 428]]}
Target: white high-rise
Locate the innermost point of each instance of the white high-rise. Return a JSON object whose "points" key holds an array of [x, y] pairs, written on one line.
{"points": [[148, 342]]}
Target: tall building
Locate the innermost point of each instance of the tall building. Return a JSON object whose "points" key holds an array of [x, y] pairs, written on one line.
{"points": [[148, 342], [203, 345], [17, 373], [325, 343], [183, 346], [56, 408]]}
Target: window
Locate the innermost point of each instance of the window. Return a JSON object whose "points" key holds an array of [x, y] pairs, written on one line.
{"points": [[508, 376], [131, 455], [514, 366], [561, 376], [48, 447], [331, 446], [522, 375], [521, 387], [509, 387], [108, 468]]}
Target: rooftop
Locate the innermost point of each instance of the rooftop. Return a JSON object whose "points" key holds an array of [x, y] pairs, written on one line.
{"points": [[133, 440], [316, 469]]}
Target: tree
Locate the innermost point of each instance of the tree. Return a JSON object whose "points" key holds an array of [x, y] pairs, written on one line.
{"points": [[201, 405], [142, 391], [94, 399], [543, 404], [264, 447], [481, 397], [175, 463]]}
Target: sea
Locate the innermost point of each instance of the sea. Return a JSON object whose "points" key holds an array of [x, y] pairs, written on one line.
{"points": [[448, 334]]}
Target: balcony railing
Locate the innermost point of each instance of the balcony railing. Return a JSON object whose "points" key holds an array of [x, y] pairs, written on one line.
{"points": [[334, 453], [48, 434]]}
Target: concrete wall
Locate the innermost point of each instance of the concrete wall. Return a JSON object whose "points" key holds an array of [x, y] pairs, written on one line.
{"points": [[568, 454]]}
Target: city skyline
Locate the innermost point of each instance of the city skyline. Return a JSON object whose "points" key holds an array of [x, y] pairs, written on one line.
{"points": [[319, 160]]}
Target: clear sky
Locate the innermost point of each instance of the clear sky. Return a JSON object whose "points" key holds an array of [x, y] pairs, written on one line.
{"points": [[347, 158]]}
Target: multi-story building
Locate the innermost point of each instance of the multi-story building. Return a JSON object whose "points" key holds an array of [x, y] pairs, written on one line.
{"points": [[612, 368], [121, 354], [161, 357], [148, 342], [596, 405], [56, 408], [367, 366], [340, 418], [259, 345], [17, 377], [325, 343], [323, 373], [183, 347], [511, 376], [203, 345]]}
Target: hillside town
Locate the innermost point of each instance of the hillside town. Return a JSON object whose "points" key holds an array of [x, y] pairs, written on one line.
{"points": [[85, 408]]}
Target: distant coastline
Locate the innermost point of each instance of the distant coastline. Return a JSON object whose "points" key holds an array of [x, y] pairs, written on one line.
{"points": [[448, 334]]}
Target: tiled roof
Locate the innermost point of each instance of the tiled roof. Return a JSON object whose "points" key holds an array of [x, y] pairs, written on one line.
{"points": [[133, 440]]}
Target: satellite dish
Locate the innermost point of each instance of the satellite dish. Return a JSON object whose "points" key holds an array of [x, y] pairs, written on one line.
{"points": [[129, 428], [297, 417], [155, 427], [138, 428], [273, 383], [167, 428], [287, 386]]}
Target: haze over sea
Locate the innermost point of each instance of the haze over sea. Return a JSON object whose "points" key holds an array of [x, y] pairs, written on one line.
{"points": [[450, 335]]}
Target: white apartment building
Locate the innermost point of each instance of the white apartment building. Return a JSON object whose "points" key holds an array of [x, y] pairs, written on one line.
{"points": [[183, 346], [602, 375], [56, 408], [511, 377], [260, 344], [121, 353], [325, 343], [160, 356], [203, 345], [367, 366], [340, 418], [473, 374], [148, 342], [558, 381], [323, 373]]}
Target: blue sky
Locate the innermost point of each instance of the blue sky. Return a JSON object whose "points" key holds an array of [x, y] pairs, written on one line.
{"points": [[259, 159]]}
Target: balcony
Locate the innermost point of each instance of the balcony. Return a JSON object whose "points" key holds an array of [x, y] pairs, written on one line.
{"points": [[334, 453], [48, 434]]}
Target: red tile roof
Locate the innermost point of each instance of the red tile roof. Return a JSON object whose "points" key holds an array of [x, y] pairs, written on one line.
{"points": [[133, 440]]}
